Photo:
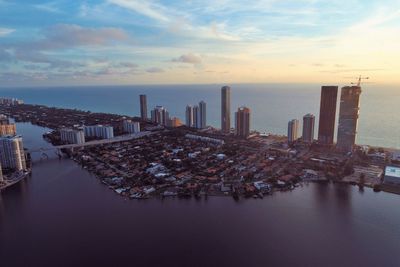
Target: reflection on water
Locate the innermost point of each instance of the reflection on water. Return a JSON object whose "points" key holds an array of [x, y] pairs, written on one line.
{"points": [[63, 216], [343, 194]]}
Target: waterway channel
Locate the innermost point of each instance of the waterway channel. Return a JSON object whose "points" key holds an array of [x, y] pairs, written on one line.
{"points": [[64, 216]]}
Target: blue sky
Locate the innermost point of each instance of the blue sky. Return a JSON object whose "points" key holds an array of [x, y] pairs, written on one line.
{"points": [[64, 42]]}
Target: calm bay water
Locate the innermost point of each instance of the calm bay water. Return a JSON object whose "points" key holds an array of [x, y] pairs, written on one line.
{"points": [[273, 105], [63, 216]]}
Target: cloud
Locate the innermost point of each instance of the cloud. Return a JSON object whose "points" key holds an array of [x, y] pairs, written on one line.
{"points": [[70, 35], [146, 8], [5, 56], [351, 70], [5, 31], [61, 37], [39, 58], [188, 58], [383, 15], [48, 7], [154, 70], [126, 65]]}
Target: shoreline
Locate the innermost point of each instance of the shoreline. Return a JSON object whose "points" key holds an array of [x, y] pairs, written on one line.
{"points": [[195, 184], [10, 183]]}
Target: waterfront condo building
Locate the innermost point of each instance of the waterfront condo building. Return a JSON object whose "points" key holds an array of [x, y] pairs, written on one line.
{"points": [[72, 136], [160, 115], [7, 129], [226, 109], [308, 128], [242, 122], [202, 120], [348, 117], [1, 174], [131, 126], [293, 129], [196, 116], [99, 131], [12, 155], [327, 115], [143, 107], [189, 116]]}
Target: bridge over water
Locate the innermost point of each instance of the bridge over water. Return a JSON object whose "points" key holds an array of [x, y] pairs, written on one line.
{"points": [[92, 143]]}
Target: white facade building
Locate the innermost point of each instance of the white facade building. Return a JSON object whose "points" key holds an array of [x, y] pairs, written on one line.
{"points": [[12, 153], [202, 121], [160, 115], [196, 115], [131, 126], [308, 128], [293, 129], [104, 132], [72, 136]]}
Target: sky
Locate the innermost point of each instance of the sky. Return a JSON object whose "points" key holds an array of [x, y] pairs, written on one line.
{"points": [[104, 42]]}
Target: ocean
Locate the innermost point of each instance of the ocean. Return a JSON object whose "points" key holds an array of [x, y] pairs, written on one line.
{"points": [[272, 105]]}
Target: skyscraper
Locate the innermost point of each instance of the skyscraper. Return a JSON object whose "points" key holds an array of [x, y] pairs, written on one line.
{"points": [[308, 128], [348, 117], [203, 115], [225, 109], [196, 116], [12, 155], [143, 107], [242, 122], [1, 174], [189, 116], [327, 114], [293, 129], [160, 115]]}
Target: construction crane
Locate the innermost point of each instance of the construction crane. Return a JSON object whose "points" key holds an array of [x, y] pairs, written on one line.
{"points": [[359, 80]]}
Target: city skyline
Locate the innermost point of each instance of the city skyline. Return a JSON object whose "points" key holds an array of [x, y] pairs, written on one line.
{"points": [[199, 132], [349, 106], [102, 42]]}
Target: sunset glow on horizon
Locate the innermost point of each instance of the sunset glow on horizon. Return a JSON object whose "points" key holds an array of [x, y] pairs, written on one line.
{"points": [[60, 42]]}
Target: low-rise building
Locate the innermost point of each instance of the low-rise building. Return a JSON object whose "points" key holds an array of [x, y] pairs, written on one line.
{"points": [[205, 139], [392, 175]]}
